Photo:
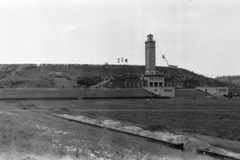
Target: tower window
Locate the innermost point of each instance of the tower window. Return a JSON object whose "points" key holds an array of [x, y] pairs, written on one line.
{"points": [[151, 84], [150, 37]]}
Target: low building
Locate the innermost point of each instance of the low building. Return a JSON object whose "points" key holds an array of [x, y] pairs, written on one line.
{"points": [[126, 84], [215, 91], [154, 80], [162, 91], [155, 84]]}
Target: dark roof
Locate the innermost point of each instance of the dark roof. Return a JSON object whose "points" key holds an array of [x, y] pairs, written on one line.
{"points": [[154, 75]]}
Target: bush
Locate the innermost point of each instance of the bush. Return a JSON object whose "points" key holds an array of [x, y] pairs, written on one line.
{"points": [[28, 67], [89, 81]]}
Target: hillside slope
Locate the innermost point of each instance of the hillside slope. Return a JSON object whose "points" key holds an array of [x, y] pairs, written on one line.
{"points": [[72, 75]]}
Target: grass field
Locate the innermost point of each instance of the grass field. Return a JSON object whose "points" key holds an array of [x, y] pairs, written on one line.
{"points": [[216, 121], [27, 135], [218, 118], [215, 117]]}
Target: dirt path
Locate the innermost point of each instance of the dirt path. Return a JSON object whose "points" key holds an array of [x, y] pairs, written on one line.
{"points": [[18, 69]]}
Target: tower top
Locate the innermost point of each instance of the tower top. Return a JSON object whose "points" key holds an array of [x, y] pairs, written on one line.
{"points": [[150, 38], [150, 66]]}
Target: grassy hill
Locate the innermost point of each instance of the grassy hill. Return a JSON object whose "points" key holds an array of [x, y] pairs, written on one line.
{"points": [[76, 75]]}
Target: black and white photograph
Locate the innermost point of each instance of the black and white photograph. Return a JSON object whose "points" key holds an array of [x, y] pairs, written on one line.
{"points": [[119, 80]]}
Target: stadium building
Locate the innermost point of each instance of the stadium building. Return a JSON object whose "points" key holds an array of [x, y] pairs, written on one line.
{"points": [[165, 82], [154, 80]]}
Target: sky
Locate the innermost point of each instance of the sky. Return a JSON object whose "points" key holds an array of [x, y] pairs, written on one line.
{"points": [[200, 35]]}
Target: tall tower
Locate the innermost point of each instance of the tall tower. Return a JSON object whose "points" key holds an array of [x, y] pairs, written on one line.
{"points": [[150, 67]]}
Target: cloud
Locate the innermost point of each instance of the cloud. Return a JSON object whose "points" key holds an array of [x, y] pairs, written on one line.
{"points": [[71, 29], [70, 35]]}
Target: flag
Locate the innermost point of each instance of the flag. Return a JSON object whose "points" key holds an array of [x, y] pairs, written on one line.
{"points": [[126, 60], [163, 56], [122, 59], [118, 60]]}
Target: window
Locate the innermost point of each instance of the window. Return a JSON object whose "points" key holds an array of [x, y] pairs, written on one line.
{"points": [[160, 84], [155, 90], [151, 84], [155, 84], [167, 90], [222, 90]]}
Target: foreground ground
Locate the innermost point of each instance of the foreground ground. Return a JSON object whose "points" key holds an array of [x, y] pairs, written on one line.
{"points": [[27, 135]]}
